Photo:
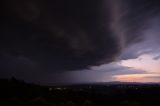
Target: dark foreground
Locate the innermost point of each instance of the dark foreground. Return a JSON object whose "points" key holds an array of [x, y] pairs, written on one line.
{"points": [[18, 93]]}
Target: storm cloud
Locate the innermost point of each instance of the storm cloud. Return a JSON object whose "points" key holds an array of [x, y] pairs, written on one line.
{"points": [[51, 36], [59, 34]]}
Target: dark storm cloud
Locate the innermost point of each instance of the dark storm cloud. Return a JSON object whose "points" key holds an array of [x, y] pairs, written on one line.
{"points": [[60, 34], [149, 44], [38, 36]]}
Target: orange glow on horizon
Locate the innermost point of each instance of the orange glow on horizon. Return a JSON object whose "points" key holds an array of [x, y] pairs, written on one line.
{"points": [[137, 78]]}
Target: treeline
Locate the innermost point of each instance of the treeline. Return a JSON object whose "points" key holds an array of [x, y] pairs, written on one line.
{"points": [[15, 92]]}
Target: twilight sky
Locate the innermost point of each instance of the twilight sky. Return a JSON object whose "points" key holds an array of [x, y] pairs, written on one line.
{"points": [[80, 41]]}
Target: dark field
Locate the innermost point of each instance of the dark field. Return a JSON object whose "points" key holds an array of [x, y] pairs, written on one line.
{"points": [[19, 93]]}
